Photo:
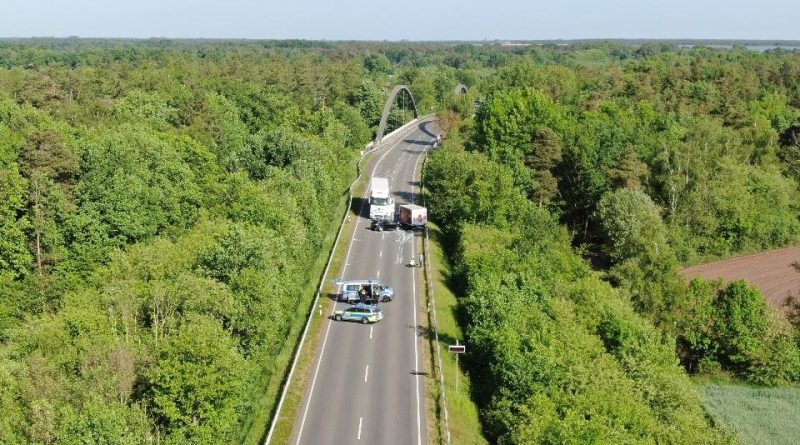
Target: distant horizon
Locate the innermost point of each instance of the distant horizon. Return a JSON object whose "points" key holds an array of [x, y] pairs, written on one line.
{"points": [[778, 42], [413, 20]]}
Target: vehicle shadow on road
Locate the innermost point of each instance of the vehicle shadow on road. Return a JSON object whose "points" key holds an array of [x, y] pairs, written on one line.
{"points": [[359, 206], [402, 196]]}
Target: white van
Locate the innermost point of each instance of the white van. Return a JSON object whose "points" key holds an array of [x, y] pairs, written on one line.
{"points": [[367, 291]]}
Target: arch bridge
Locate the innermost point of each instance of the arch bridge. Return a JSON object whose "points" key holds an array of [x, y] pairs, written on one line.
{"points": [[405, 92], [387, 108]]}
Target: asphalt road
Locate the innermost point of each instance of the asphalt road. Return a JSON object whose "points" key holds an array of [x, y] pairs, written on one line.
{"points": [[367, 384]]}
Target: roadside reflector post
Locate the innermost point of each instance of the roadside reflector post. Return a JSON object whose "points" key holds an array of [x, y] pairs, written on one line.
{"points": [[457, 349]]}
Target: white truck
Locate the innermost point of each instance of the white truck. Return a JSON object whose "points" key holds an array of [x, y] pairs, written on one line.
{"points": [[413, 216], [381, 205]]}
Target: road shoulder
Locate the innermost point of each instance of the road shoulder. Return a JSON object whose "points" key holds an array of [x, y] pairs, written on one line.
{"points": [[462, 412]]}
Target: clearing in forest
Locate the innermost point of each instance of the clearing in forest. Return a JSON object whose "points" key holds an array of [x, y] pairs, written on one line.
{"points": [[772, 272]]}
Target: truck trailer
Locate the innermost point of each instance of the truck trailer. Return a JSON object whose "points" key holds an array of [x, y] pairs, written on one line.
{"points": [[413, 216]]}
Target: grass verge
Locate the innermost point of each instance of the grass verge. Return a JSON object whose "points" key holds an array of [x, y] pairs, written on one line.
{"points": [[296, 392], [757, 415], [464, 423]]}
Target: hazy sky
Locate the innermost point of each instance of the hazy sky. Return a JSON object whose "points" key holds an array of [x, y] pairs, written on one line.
{"points": [[415, 20]]}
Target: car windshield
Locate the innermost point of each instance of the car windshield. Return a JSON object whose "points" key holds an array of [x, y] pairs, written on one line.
{"points": [[379, 201]]}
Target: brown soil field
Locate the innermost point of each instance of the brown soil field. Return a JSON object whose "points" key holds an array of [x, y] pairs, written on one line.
{"points": [[771, 271]]}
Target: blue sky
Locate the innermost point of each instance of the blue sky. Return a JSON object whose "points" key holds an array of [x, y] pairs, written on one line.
{"points": [[414, 20]]}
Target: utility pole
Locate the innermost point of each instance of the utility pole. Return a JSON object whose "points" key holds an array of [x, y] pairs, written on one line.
{"points": [[457, 369]]}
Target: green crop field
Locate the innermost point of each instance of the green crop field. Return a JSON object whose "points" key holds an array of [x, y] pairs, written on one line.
{"points": [[758, 415]]}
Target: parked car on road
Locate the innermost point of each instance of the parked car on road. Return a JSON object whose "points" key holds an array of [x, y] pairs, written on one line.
{"points": [[379, 225], [363, 313]]}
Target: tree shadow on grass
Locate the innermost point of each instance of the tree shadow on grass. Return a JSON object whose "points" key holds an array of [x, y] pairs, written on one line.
{"points": [[455, 282]]}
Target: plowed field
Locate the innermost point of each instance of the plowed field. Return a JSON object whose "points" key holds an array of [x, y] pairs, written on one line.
{"points": [[772, 272]]}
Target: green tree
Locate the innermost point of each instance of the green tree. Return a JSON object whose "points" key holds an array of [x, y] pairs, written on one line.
{"points": [[632, 224], [377, 63], [136, 183], [15, 255], [101, 422], [228, 131], [196, 387], [543, 155], [370, 101], [742, 322], [468, 187]]}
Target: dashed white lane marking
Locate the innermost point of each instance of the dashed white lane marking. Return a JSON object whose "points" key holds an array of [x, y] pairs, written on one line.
{"points": [[366, 373], [379, 275], [360, 419], [333, 309], [370, 332], [380, 255]]}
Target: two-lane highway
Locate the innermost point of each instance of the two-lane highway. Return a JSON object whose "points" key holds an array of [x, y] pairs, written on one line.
{"points": [[367, 384]]}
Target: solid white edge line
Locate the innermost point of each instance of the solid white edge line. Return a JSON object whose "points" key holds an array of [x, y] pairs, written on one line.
{"points": [[327, 330]]}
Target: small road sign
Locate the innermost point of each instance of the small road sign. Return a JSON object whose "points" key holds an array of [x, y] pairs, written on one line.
{"points": [[457, 349]]}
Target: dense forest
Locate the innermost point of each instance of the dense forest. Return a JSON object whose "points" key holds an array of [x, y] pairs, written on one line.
{"points": [[161, 207], [162, 204], [570, 199]]}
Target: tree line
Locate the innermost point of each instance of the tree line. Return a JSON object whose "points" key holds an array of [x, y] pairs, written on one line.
{"points": [[583, 182], [163, 202], [162, 205]]}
